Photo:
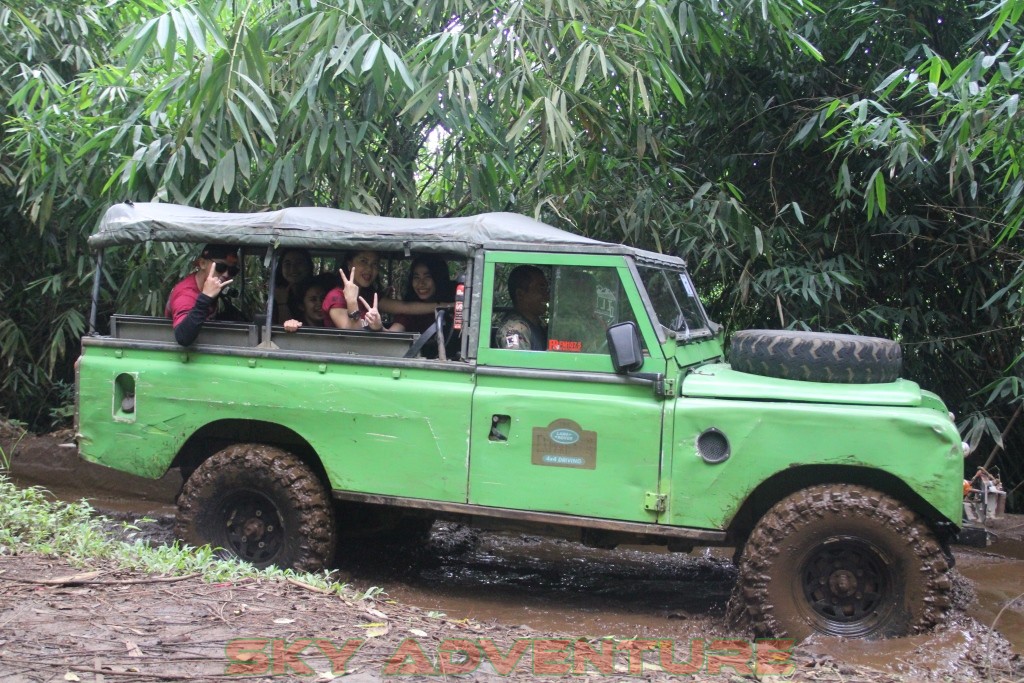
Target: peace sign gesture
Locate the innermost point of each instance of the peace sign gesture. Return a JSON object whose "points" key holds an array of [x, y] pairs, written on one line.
{"points": [[372, 315], [348, 284]]}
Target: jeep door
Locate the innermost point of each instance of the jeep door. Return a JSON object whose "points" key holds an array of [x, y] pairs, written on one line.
{"points": [[557, 430]]}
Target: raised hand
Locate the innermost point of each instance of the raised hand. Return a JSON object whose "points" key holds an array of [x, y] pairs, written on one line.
{"points": [[349, 286], [372, 315], [213, 284]]}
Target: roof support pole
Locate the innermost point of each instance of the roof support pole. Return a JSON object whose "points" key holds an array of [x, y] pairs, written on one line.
{"points": [[95, 293]]}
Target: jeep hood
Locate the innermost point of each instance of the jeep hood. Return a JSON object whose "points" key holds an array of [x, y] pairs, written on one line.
{"points": [[719, 380]]}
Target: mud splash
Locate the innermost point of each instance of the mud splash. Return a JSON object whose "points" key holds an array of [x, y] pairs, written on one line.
{"points": [[550, 584], [999, 587]]}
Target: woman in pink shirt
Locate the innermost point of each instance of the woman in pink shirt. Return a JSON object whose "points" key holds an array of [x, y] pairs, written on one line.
{"points": [[357, 304]]}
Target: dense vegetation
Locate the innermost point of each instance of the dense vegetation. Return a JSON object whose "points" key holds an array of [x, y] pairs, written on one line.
{"points": [[854, 167], [31, 522]]}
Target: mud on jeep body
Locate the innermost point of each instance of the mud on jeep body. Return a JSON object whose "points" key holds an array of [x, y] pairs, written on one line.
{"points": [[838, 482]]}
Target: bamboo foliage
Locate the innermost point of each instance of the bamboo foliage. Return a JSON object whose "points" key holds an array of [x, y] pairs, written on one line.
{"points": [[852, 166]]}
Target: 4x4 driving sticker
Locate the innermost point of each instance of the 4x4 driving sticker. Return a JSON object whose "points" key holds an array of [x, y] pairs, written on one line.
{"points": [[563, 443]]}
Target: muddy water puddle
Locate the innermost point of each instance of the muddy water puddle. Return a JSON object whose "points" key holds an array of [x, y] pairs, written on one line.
{"points": [[999, 586], [552, 585], [116, 504], [919, 657]]}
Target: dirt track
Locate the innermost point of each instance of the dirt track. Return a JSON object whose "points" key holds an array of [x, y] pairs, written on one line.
{"points": [[114, 626]]}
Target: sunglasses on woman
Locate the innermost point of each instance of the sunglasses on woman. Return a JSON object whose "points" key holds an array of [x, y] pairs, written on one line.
{"points": [[222, 268]]}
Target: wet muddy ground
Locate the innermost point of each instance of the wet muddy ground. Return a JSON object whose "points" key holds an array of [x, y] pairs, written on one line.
{"points": [[527, 584]]}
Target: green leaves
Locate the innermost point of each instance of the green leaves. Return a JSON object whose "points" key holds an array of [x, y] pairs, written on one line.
{"points": [[875, 195], [177, 32], [1009, 12], [850, 167]]}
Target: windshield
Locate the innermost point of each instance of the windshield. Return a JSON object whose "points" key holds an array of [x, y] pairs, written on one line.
{"points": [[675, 301]]}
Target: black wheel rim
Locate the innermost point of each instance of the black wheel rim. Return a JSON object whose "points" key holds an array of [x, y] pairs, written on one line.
{"points": [[847, 584], [253, 529]]}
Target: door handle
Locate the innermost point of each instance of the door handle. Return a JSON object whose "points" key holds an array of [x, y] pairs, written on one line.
{"points": [[499, 427]]}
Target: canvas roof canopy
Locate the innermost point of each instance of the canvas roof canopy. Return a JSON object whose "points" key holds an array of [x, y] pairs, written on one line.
{"points": [[325, 228]]}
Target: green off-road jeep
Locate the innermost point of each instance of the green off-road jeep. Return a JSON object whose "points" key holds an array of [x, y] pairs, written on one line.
{"points": [[838, 483]]}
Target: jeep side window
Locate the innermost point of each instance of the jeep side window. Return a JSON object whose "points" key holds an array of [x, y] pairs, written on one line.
{"points": [[521, 313], [585, 301], [565, 309]]}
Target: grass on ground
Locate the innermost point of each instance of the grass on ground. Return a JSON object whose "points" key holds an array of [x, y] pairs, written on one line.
{"points": [[32, 523]]}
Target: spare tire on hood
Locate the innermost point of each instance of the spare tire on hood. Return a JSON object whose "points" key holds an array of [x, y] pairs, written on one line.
{"points": [[816, 356]]}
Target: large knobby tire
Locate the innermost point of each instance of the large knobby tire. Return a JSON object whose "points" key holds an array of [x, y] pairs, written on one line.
{"points": [[816, 356], [841, 560], [260, 504]]}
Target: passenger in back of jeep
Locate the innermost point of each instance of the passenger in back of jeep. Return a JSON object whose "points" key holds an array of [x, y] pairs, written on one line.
{"points": [[428, 281], [357, 304], [294, 268], [195, 299], [306, 303]]}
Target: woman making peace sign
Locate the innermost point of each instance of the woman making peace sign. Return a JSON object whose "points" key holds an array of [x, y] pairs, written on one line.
{"points": [[349, 307]]}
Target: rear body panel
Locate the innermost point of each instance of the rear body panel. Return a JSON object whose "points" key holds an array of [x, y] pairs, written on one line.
{"points": [[377, 429]]}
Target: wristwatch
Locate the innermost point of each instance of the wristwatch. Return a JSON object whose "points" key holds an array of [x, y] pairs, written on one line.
{"points": [[353, 315]]}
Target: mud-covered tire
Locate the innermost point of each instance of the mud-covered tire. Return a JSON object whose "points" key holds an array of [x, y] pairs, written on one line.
{"points": [[841, 560], [260, 504], [816, 356]]}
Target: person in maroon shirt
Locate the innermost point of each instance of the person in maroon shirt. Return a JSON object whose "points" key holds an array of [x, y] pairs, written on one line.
{"points": [[354, 305], [193, 301]]}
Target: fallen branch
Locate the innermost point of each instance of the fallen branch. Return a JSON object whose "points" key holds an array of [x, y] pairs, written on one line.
{"points": [[300, 584], [112, 672], [142, 674]]}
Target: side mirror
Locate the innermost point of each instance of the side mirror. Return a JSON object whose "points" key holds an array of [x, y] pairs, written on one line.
{"points": [[626, 349]]}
